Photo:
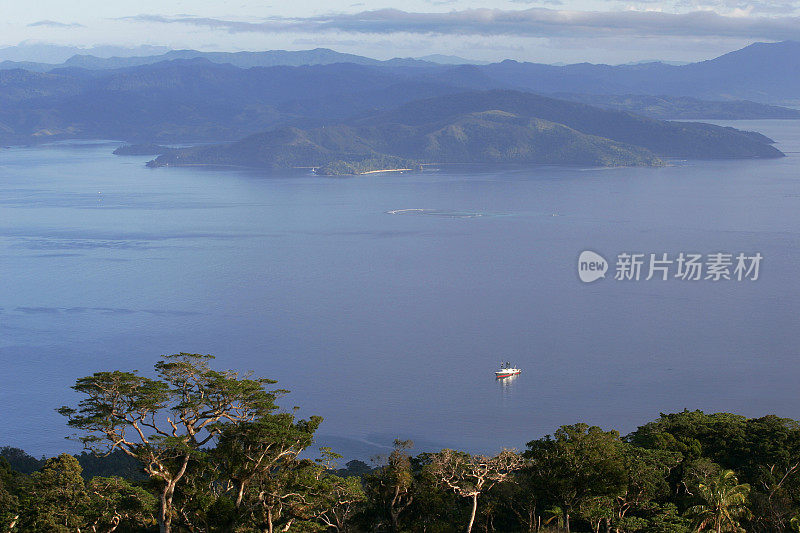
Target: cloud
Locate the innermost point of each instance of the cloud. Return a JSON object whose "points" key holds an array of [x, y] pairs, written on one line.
{"points": [[55, 24], [742, 6], [533, 22]]}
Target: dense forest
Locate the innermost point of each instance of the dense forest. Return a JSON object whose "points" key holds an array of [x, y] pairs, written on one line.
{"points": [[193, 449]]}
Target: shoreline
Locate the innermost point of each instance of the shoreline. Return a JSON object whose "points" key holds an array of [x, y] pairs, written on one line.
{"points": [[384, 170]]}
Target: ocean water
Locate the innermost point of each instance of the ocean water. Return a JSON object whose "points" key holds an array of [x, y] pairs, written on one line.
{"points": [[385, 302]]}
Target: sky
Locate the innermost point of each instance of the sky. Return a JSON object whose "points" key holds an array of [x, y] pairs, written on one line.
{"points": [[549, 31]]}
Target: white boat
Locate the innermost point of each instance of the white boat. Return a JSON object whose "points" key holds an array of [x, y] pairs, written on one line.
{"points": [[507, 370]]}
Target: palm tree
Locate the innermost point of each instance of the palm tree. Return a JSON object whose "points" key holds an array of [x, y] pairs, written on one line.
{"points": [[724, 504], [557, 514]]}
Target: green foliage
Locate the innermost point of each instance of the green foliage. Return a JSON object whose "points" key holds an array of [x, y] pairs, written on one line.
{"points": [[470, 476], [390, 487], [354, 468], [19, 461], [577, 464], [764, 452], [9, 502], [115, 502], [723, 503], [667, 520], [57, 500], [117, 463], [164, 423]]}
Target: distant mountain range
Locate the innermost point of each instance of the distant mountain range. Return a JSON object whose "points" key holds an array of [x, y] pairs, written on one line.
{"points": [[197, 99], [48, 53], [762, 72], [270, 58], [499, 126], [189, 97]]}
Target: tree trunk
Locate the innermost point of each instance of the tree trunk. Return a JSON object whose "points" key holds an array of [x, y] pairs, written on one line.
{"points": [[566, 520], [240, 495], [269, 520], [472, 515], [165, 513]]}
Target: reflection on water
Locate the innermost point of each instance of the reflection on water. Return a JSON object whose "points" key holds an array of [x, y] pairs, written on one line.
{"points": [[507, 386]]}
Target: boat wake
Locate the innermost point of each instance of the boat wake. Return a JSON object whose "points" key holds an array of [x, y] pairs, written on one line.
{"points": [[438, 213]]}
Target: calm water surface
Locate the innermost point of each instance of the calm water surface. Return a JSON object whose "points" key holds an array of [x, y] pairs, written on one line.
{"points": [[391, 324]]}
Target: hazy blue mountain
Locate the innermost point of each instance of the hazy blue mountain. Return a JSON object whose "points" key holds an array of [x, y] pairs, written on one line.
{"points": [[451, 60], [270, 58], [683, 107], [53, 54], [498, 126], [196, 99], [26, 65], [762, 72]]}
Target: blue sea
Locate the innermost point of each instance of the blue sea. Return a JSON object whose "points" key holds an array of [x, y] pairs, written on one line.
{"points": [[386, 302]]}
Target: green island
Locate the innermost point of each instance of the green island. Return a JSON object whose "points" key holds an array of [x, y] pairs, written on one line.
{"points": [[481, 127], [194, 449]]}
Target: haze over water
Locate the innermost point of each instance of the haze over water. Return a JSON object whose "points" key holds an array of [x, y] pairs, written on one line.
{"points": [[391, 325]]}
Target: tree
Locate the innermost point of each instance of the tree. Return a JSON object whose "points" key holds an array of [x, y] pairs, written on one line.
{"points": [[774, 499], [596, 511], [165, 422], [9, 502], [259, 460], [577, 464], [469, 476], [248, 450], [554, 514], [434, 508], [391, 484], [724, 503], [666, 519], [115, 502], [57, 500], [338, 498], [524, 498], [646, 473]]}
